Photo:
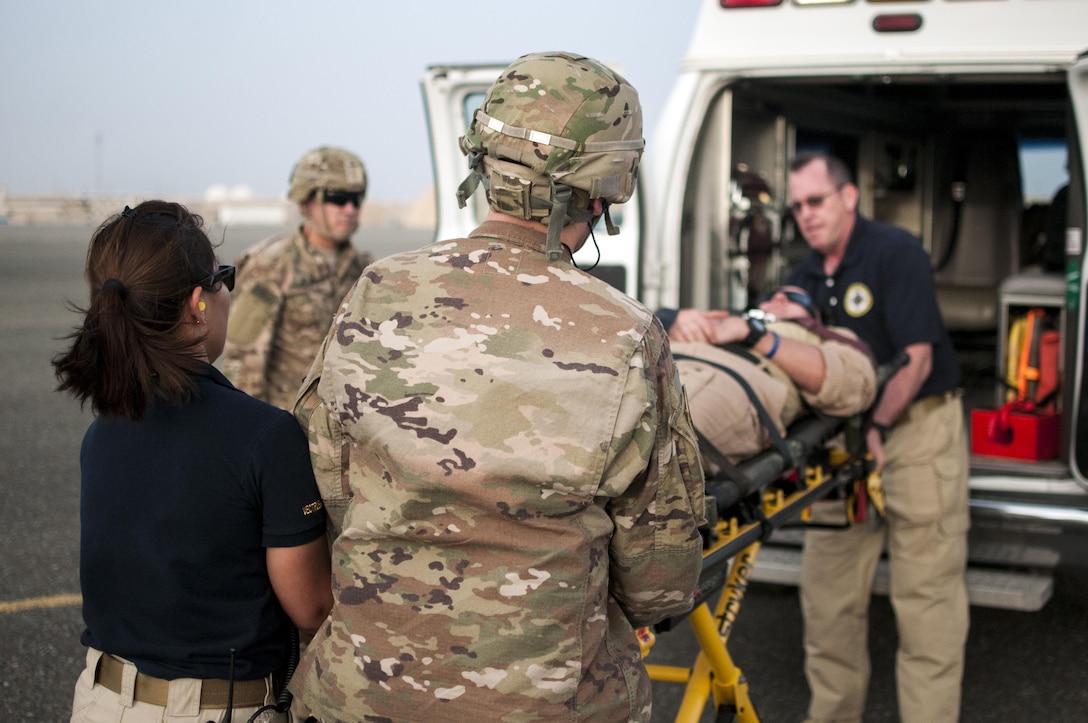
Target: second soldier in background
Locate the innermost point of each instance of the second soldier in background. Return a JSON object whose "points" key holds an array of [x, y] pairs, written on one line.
{"points": [[290, 286]]}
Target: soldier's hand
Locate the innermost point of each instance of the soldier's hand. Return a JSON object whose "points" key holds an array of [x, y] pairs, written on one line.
{"points": [[693, 325], [726, 328], [689, 326]]}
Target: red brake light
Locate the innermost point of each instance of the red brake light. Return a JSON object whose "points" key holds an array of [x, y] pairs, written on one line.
{"points": [[904, 23], [749, 3]]}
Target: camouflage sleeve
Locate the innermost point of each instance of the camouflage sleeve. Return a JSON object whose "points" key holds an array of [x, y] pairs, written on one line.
{"points": [[656, 550], [325, 438], [325, 435], [849, 383], [255, 310]]}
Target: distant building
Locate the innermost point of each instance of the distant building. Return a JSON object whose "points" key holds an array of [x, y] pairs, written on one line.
{"points": [[219, 206]]}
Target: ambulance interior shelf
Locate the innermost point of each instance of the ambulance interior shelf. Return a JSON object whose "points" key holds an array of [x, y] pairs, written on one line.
{"points": [[1018, 295], [1025, 423]]}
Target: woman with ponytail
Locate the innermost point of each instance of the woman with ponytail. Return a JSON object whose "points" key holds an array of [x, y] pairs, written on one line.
{"points": [[202, 530]]}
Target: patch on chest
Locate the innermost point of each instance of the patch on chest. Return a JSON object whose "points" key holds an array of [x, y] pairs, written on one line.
{"points": [[857, 300]]}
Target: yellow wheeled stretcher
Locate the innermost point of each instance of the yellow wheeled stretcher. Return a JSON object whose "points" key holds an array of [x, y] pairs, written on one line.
{"points": [[749, 502]]}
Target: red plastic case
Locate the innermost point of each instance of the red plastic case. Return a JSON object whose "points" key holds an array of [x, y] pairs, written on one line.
{"points": [[1033, 436]]}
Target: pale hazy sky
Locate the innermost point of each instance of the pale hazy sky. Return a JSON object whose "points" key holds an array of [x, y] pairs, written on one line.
{"points": [[170, 98]]}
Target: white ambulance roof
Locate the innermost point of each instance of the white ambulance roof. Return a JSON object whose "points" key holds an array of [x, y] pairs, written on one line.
{"points": [[814, 39]]}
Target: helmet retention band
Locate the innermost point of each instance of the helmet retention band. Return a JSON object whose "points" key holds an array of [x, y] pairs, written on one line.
{"points": [[560, 201]]}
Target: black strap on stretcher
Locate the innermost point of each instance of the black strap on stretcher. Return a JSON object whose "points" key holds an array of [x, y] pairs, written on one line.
{"points": [[764, 415], [804, 437]]}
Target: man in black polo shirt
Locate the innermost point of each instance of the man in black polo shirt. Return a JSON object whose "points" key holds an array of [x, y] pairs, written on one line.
{"points": [[876, 280]]}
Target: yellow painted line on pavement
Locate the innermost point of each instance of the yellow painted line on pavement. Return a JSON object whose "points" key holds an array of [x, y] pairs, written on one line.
{"points": [[40, 603]]}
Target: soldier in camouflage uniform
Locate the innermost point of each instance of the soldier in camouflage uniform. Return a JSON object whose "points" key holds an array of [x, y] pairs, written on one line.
{"points": [[503, 442], [290, 285]]}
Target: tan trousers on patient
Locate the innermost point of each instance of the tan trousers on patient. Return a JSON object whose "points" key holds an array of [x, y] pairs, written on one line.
{"points": [[925, 534]]}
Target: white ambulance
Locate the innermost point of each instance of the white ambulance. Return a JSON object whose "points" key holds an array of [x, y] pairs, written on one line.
{"points": [[961, 119]]}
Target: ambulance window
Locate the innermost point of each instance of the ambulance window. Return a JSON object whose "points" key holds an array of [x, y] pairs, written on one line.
{"points": [[1043, 168], [472, 102]]}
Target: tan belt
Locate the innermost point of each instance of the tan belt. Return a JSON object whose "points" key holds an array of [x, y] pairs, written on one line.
{"points": [[926, 404], [213, 693]]}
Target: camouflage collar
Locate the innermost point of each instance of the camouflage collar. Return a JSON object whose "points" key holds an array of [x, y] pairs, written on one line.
{"points": [[340, 258], [511, 233]]}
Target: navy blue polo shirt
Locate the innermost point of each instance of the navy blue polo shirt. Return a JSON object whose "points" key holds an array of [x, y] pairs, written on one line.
{"points": [[883, 291], [176, 511]]}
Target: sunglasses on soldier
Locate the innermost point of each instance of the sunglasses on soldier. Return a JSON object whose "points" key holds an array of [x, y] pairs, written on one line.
{"points": [[797, 297], [342, 198], [801, 298]]}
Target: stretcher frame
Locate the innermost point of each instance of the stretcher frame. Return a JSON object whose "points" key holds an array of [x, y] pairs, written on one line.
{"points": [[762, 494]]}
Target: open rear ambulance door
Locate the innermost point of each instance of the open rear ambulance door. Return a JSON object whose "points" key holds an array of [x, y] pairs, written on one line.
{"points": [[1076, 296], [451, 94]]}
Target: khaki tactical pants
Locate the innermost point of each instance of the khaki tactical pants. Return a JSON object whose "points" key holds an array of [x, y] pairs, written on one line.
{"points": [[96, 703], [925, 536]]}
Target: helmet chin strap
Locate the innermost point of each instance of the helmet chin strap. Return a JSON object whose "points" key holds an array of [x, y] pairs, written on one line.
{"points": [[468, 186], [325, 230], [560, 200], [562, 211], [612, 228]]}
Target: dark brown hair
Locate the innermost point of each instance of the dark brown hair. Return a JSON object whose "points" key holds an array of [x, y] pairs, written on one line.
{"points": [[142, 266]]}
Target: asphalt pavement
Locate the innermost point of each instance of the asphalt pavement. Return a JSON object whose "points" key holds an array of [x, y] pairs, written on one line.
{"points": [[1020, 666]]}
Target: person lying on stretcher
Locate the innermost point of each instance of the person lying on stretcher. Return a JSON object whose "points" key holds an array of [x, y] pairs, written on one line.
{"points": [[778, 356]]}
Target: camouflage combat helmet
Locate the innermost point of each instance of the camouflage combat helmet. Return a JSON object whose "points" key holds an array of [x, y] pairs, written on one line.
{"points": [[326, 168], [555, 131]]}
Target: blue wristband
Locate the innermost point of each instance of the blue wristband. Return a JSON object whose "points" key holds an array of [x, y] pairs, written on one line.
{"points": [[774, 347]]}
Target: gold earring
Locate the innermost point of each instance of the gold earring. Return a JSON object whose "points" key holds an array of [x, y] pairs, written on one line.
{"points": [[201, 306]]}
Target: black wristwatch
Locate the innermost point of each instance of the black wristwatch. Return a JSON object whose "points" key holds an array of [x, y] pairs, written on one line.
{"points": [[757, 329]]}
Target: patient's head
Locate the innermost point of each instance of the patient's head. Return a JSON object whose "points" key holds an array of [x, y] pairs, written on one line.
{"points": [[790, 302]]}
